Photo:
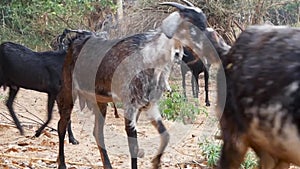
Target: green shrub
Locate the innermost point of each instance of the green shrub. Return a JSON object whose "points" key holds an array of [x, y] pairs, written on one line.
{"points": [[211, 151], [35, 23], [250, 161], [174, 106]]}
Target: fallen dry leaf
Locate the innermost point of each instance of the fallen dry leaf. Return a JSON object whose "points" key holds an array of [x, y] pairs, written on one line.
{"points": [[34, 149], [48, 143], [12, 150], [46, 133], [23, 144]]}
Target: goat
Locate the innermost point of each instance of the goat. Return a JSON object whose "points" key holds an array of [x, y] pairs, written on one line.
{"points": [[63, 43], [196, 66], [261, 101], [126, 70], [262, 109], [20, 67]]}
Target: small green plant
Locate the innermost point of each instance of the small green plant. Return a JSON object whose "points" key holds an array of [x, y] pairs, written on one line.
{"points": [[175, 107], [211, 150], [118, 104], [250, 161]]}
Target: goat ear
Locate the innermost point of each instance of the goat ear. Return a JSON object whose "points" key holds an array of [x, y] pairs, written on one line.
{"points": [[170, 24]]}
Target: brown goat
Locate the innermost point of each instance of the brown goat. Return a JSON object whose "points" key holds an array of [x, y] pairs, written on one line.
{"points": [[131, 70]]}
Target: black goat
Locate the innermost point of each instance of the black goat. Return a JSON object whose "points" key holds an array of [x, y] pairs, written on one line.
{"points": [[20, 67], [196, 66]]}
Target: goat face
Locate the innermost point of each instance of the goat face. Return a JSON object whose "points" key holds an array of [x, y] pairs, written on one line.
{"points": [[190, 13]]}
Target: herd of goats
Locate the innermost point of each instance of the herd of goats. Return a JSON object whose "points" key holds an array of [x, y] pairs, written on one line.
{"points": [[259, 105]]}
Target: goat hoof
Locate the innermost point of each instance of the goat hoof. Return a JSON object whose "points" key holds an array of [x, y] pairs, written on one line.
{"points": [[207, 104], [107, 167], [63, 166], [21, 131], [141, 153], [73, 141], [156, 163], [37, 133]]}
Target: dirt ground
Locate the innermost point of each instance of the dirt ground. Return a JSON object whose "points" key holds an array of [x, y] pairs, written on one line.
{"points": [[18, 151]]}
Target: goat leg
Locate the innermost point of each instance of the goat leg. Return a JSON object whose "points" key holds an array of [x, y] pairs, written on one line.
{"points": [[164, 142], [194, 85], [98, 133], [154, 114], [51, 100], [71, 135], [233, 151], [62, 127], [12, 95], [65, 106], [206, 76], [130, 116]]}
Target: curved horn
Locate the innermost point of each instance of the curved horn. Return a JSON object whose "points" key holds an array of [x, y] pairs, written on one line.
{"points": [[188, 3], [174, 4]]}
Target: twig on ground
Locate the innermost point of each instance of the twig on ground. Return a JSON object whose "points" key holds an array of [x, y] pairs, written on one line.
{"points": [[30, 112], [7, 117], [47, 160]]}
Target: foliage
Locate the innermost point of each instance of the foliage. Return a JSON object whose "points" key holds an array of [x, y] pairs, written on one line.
{"points": [[230, 17], [250, 161], [211, 151], [174, 106], [35, 23]]}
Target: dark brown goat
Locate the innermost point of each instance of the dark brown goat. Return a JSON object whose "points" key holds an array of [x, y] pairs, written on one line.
{"points": [[129, 70], [262, 109], [261, 97]]}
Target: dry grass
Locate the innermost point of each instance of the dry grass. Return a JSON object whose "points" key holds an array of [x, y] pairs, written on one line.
{"points": [[141, 20]]}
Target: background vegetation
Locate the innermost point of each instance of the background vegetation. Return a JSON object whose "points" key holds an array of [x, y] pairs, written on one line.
{"points": [[36, 23]]}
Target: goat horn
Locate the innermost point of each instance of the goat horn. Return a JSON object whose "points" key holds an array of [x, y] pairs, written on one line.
{"points": [[174, 4], [188, 3]]}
